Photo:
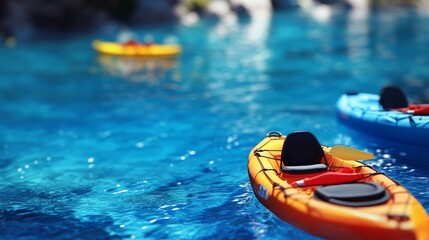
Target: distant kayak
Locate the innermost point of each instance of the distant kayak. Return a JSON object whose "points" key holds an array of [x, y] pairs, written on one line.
{"points": [[136, 49], [325, 192], [394, 120]]}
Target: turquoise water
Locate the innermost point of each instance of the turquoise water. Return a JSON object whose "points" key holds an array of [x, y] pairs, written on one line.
{"points": [[96, 147]]}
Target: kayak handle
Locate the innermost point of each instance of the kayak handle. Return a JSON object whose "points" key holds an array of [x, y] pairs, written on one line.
{"points": [[274, 134]]}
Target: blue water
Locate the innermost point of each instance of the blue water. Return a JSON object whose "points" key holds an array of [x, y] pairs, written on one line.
{"points": [[107, 148]]}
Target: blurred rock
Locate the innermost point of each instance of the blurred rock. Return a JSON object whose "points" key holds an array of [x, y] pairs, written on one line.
{"points": [[25, 19]]}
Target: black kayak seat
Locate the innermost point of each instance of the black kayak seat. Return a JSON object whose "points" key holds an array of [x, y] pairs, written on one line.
{"points": [[302, 153], [358, 194], [392, 97]]}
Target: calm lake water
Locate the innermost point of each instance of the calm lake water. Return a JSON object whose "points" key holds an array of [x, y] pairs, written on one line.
{"points": [[98, 147]]}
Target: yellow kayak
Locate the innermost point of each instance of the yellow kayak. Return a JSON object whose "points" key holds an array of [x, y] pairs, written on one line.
{"points": [[137, 50], [325, 192]]}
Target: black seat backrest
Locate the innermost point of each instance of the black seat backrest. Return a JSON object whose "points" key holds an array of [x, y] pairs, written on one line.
{"points": [[392, 97], [301, 148]]}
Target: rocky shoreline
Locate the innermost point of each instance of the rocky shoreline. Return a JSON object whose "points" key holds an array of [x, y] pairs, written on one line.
{"points": [[26, 19]]}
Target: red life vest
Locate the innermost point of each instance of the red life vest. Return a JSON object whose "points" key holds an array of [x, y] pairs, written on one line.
{"points": [[416, 109], [131, 43]]}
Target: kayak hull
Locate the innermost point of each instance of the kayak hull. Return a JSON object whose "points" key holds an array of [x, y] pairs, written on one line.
{"points": [[363, 113], [401, 217], [136, 50]]}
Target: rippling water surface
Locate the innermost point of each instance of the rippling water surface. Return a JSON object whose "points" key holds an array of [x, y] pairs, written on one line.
{"points": [[103, 147]]}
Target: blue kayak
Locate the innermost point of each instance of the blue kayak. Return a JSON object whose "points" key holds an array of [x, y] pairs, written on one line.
{"points": [[363, 112]]}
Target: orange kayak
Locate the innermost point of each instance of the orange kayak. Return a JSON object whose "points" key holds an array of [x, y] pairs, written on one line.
{"points": [[325, 192]]}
